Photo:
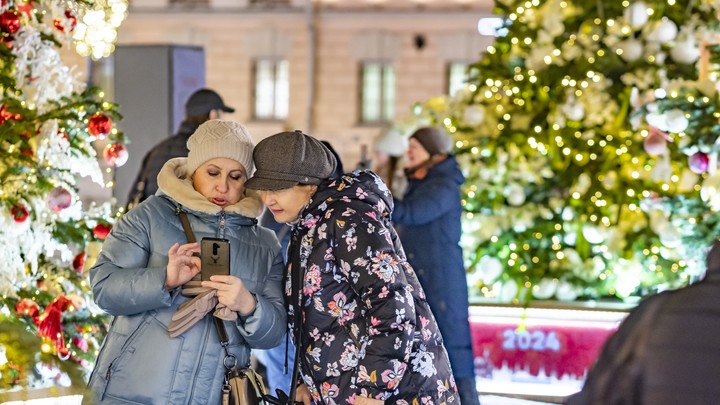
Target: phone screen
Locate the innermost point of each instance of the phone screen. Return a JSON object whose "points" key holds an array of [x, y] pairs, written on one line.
{"points": [[214, 257]]}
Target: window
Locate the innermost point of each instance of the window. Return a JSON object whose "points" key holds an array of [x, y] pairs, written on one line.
{"points": [[272, 95], [457, 77], [378, 92]]}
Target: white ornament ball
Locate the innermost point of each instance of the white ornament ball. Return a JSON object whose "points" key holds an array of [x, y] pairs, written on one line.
{"points": [[669, 235], [474, 115], [676, 121], [636, 14], [508, 291], [490, 269], [515, 195], [666, 30], [593, 234], [710, 191], [686, 52], [544, 289], [632, 50], [566, 291]]}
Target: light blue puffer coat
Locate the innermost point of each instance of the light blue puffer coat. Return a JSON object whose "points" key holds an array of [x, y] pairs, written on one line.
{"points": [[139, 363]]}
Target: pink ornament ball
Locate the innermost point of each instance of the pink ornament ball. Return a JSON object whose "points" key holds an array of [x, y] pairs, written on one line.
{"points": [[656, 142], [59, 199], [698, 162]]}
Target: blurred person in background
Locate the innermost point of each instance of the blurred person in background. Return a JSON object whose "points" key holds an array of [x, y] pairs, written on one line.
{"points": [[387, 161], [428, 223], [201, 106]]}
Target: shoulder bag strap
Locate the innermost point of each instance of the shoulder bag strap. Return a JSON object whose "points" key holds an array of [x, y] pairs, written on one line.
{"points": [[222, 332]]}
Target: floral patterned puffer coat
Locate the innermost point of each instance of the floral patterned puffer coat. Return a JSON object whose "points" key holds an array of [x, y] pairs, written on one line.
{"points": [[366, 326]]}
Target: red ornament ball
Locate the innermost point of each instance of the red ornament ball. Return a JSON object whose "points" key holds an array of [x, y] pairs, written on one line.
{"points": [[19, 213], [699, 162], [78, 262], [27, 307], [115, 154], [9, 22], [101, 231], [58, 23], [99, 125], [59, 199]]}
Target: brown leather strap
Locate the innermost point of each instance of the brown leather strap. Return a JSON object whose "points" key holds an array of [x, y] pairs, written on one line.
{"points": [[185, 224]]}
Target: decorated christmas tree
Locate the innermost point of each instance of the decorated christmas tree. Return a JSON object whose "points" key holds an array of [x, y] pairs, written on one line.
{"points": [[588, 134], [51, 126]]}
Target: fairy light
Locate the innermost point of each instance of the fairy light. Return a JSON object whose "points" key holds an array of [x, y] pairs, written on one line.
{"points": [[96, 33]]}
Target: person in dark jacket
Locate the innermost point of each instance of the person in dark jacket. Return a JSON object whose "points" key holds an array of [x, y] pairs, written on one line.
{"points": [[364, 332], [428, 222], [202, 105], [276, 358], [149, 355], [666, 350]]}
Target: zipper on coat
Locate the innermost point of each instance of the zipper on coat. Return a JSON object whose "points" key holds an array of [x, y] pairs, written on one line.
{"points": [[108, 373], [221, 230]]}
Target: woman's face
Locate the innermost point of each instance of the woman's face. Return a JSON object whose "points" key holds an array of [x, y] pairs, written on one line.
{"points": [[416, 154], [221, 181], [286, 204]]}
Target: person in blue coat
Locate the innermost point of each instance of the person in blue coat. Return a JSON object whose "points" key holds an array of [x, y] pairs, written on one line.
{"points": [[428, 223], [146, 260]]}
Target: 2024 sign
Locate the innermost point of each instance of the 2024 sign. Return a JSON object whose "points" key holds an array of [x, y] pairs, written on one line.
{"points": [[525, 340]]}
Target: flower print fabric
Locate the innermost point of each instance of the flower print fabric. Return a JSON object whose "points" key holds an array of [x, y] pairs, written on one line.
{"points": [[367, 328]]}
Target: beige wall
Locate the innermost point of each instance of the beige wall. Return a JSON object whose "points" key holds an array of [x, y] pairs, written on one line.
{"points": [[233, 35]]}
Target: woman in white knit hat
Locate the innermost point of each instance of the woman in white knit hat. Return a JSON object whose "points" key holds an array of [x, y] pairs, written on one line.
{"points": [[162, 346]]}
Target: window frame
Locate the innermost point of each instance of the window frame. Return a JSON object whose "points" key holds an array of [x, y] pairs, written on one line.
{"points": [[386, 92], [274, 115]]}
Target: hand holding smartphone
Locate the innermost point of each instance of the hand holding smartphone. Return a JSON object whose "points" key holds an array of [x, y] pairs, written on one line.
{"points": [[214, 257]]}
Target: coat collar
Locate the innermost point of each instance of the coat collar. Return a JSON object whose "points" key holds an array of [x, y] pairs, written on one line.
{"points": [[175, 182]]}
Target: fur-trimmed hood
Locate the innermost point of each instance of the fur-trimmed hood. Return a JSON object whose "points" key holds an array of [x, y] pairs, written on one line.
{"points": [[175, 182]]}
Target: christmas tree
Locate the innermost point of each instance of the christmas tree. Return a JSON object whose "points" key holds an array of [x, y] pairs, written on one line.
{"points": [[588, 134], [50, 126]]}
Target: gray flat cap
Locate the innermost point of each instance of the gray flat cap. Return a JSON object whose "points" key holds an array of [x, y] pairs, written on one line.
{"points": [[286, 159]]}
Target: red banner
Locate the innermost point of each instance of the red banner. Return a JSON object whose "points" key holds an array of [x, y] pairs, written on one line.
{"points": [[537, 345]]}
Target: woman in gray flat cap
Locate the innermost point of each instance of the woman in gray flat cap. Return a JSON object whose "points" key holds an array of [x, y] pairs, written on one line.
{"points": [[363, 330]]}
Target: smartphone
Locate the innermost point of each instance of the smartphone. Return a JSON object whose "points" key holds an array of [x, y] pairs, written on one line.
{"points": [[214, 257]]}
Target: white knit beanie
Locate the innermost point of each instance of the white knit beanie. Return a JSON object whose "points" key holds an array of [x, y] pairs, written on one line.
{"points": [[392, 142], [220, 139]]}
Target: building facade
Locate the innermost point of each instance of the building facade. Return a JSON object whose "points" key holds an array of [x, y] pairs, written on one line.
{"points": [[341, 70]]}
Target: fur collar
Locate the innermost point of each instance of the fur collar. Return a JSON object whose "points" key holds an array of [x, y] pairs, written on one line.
{"points": [[175, 182]]}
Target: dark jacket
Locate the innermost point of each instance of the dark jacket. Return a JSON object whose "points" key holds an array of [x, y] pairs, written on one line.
{"points": [[139, 363], [428, 222], [367, 327], [172, 147], [680, 351]]}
